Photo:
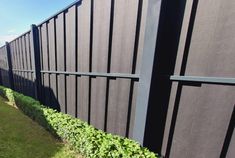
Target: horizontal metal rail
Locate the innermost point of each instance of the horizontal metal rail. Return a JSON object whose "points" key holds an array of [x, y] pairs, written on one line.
{"points": [[96, 74], [18, 70], [211, 80]]}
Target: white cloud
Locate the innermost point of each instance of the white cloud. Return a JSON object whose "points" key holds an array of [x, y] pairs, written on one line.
{"points": [[6, 38]]}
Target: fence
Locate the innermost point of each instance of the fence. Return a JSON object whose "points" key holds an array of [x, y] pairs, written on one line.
{"points": [[191, 106], [85, 61], [110, 64]]}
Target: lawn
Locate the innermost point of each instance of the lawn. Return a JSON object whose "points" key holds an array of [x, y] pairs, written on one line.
{"points": [[23, 138]]}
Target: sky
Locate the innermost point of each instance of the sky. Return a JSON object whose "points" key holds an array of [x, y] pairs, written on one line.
{"points": [[16, 16]]}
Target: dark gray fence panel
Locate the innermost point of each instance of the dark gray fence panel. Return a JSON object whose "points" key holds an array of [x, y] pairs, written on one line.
{"points": [[60, 47], [125, 17], [45, 64], [22, 65], [100, 55], [18, 65], [201, 114], [21, 62], [15, 64], [140, 31], [52, 62], [23, 52], [28, 62], [4, 67], [118, 106], [213, 56], [12, 49], [83, 59], [202, 121], [70, 26], [94, 37], [41, 61]]}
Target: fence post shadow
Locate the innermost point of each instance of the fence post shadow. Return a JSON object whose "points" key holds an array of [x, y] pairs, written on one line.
{"points": [[171, 18], [229, 135], [27, 87]]}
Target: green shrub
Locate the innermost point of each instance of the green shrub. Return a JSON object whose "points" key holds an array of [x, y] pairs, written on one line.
{"points": [[84, 138]]}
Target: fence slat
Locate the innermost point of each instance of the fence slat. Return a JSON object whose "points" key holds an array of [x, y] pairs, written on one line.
{"points": [[83, 42], [99, 61], [60, 40], [71, 59]]}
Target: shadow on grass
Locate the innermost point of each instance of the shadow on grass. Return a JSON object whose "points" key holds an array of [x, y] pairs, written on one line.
{"points": [[23, 138]]}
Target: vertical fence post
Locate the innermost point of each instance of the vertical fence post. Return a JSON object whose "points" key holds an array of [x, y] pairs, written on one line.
{"points": [[146, 69], [1, 77], [10, 72], [35, 56]]}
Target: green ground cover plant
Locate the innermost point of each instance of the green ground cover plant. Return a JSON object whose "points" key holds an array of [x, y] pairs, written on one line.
{"points": [[84, 138]]}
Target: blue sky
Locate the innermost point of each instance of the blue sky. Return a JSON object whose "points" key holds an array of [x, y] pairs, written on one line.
{"points": [[16, 16]]}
